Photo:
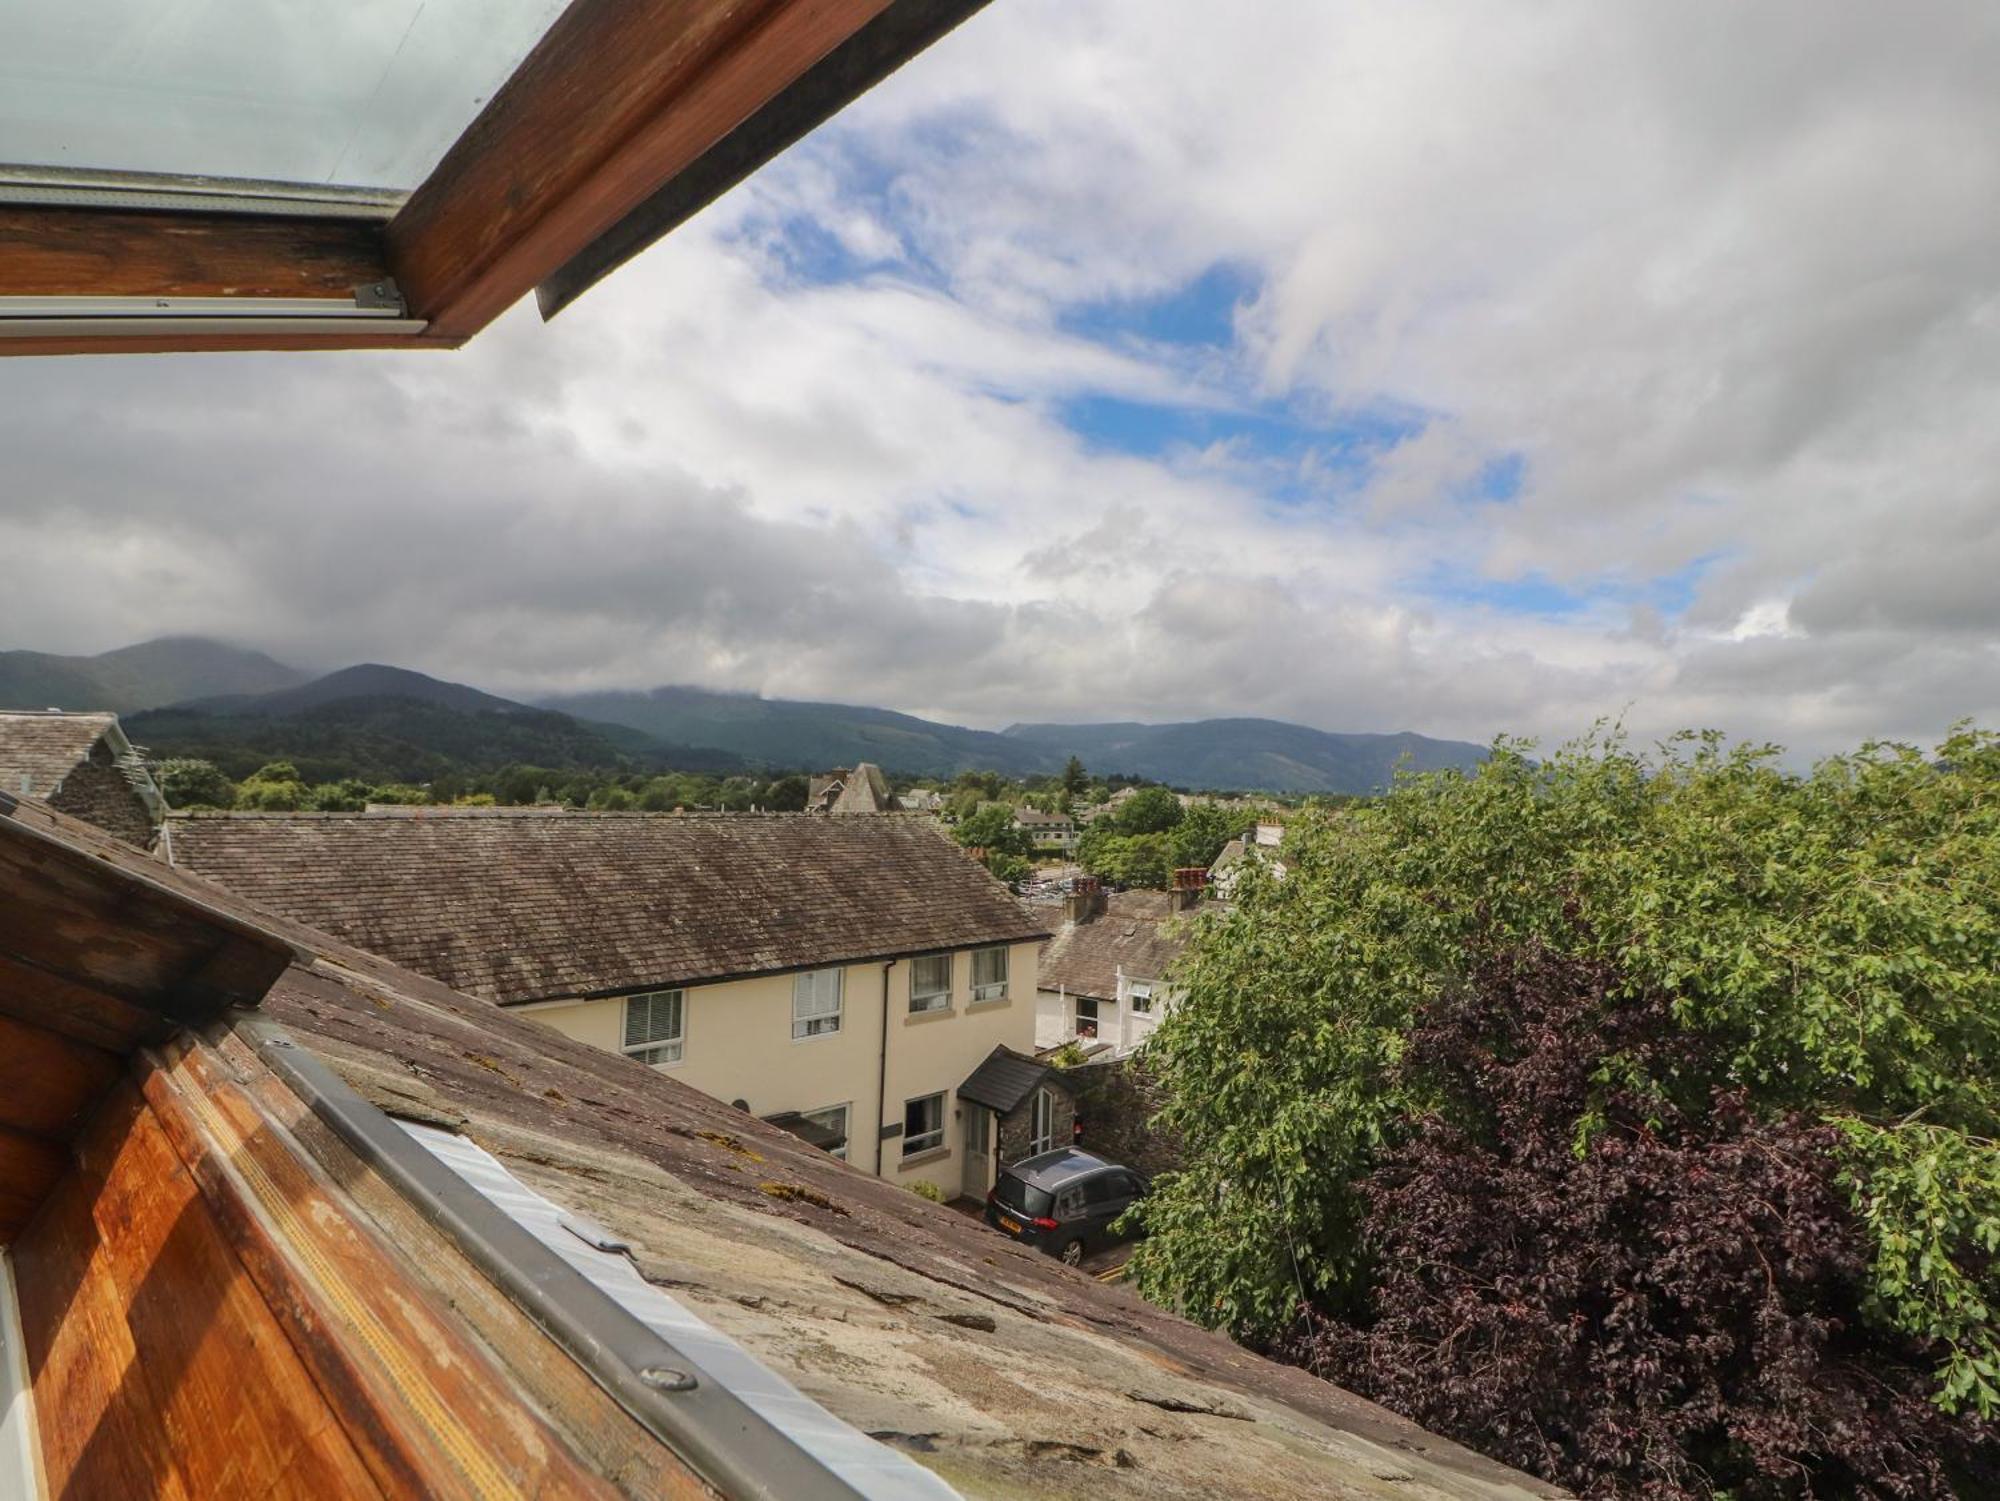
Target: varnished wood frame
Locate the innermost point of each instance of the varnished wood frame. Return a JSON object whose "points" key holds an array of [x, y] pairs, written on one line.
{"points": [[617, 98]]}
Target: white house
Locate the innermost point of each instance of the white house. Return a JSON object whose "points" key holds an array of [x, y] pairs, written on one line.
{"points": [[1102, 976]]}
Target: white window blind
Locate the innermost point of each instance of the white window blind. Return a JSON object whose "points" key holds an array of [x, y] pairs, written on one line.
{"points": [[930, 983], [653, 1026], [816, 1002]]}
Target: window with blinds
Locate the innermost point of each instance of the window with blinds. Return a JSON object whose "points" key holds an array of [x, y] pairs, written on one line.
{"points": [[816, 1003], [653, 1026]]}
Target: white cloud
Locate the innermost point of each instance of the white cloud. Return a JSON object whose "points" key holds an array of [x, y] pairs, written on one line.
{"points": [[1718, 277]]}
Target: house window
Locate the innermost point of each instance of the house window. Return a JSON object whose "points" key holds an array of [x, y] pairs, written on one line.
{"points": [[1142, 999], [923, 1124], [1041, 1123], [653, 1026], [989, 974], [930, 983], [1086, 1016], [832, 1121], [816, 1002]]}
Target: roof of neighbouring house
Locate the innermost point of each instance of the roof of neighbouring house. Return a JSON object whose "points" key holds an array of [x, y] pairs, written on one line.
{"points": [[1005, 1078], [865, 790], [1138, 933], [527, 904], [1035, 817], [986, 1362], [38, 748]]}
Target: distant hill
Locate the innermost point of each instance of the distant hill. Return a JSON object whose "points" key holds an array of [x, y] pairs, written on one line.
{"points": [[1250, 754], [369, 680], [790, 734], [387, 724], [1222, 754], [167, 671], [185, 696]]}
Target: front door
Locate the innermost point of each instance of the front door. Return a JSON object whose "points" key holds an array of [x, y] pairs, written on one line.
{"points": [[978, 1167]]}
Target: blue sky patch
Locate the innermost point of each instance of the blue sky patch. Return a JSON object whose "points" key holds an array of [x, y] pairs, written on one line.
{"points": [[1201, 313]]}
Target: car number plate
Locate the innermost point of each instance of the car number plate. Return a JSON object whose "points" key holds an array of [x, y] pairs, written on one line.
{"points": [[1012, 1227]]}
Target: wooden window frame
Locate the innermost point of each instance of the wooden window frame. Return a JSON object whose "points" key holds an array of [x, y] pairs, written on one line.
{"points": [[625, 118]]}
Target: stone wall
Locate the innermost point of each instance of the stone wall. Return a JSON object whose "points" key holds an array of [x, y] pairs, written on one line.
{"points": [[1016, 1128], [1116, 1102], [96, 792]]}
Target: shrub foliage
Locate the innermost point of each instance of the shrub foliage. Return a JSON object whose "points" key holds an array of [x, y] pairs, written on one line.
{"points": [[1796, 983], [1672, 1305]]}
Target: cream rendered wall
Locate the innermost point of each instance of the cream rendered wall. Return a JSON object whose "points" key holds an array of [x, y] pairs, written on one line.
{"points": [[738, 1044]]}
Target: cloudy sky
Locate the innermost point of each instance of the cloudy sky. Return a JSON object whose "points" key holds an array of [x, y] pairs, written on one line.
{"points": [[1454, 367]]}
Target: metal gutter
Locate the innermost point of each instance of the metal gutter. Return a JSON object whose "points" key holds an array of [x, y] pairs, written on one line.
{"points": [[734, 1448]]}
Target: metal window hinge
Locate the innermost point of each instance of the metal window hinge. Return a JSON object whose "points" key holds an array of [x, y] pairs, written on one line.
{"points": [[378, 295]]}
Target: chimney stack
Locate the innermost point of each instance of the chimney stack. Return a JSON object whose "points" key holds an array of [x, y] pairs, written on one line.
{"points": [[1086, 899], [1189, 883]]}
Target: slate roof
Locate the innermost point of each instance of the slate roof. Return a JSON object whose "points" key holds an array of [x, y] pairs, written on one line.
{"points": [[989, 1363], [1138, 931], [1006, 1078], [865, 790], [37, 750], [1034, 818], [525, 904]]}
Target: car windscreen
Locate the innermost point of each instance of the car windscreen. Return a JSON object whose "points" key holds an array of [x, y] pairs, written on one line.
{"points": [[1018, 1194]]}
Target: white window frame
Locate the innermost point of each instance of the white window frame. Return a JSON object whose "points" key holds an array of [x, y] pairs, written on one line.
{"points": [[817, 1018], [820, 1117], [991, 990], [930, 1000], [923, 1141], [659, 1048], [1141, 998], [1041, 1122]]}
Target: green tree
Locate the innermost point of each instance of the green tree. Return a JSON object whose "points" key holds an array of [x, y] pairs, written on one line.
{"points": [[189, 783], [1204, 829], [274, 787], [1074, 779], [348, 796], [1127, 859], [1834, 938], [1151, 810], [992, 828], [787, 794]]}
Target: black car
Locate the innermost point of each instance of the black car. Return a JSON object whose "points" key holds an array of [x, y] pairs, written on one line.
{"points": [[1063, 1201]]}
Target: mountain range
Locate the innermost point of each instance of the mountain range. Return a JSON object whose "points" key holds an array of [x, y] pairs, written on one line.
{"points": [[189, 696]]}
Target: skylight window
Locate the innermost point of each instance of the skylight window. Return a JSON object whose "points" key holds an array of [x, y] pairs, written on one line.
{"points": [[367, 93]]}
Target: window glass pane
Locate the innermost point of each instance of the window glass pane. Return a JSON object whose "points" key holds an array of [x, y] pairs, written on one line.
{"points": [[653, 1026], [989, 974], [930, 983], [833, 1120], [816, 1002], [923, 1124], [368, 93]]}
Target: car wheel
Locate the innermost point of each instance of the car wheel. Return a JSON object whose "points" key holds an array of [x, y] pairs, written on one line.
{"points": [[1071, 1252]]}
